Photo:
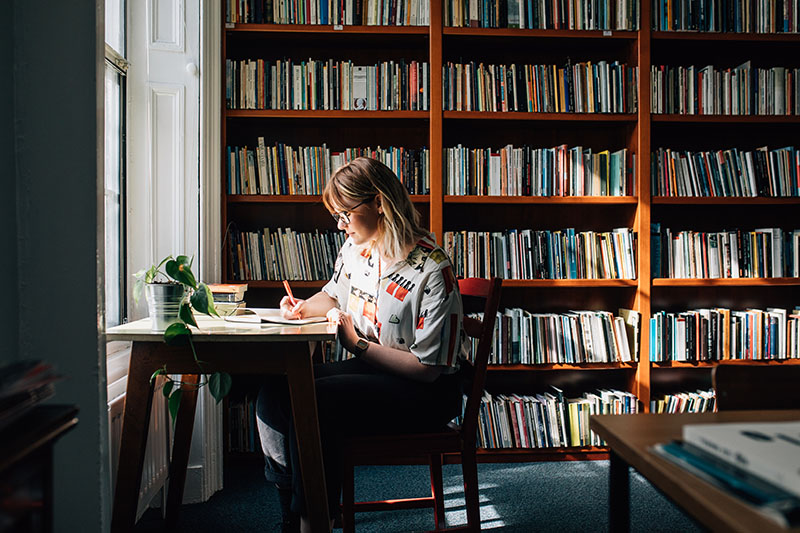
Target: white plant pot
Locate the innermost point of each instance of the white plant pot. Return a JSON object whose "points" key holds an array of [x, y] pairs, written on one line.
{"points": [[163, 303]]}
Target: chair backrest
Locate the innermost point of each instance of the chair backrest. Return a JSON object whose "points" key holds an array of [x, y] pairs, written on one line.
{"points": [[488, 289], [756, 387]]}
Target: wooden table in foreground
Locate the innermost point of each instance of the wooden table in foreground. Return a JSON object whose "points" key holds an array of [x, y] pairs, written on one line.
{"points": [[630, 438], [223, 347]]}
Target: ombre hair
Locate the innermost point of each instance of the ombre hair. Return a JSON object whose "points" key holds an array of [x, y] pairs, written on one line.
{"points": [[363, 179]]}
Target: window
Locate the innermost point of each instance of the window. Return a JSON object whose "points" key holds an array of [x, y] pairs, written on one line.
{"points": [[116, 68]]}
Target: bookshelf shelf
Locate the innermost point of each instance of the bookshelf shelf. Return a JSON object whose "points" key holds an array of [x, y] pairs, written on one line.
{"points": [[726, 282], [517, 455], [261, 284], [562, 366], [297, 199], [716, 37], [711, 364], [323, 114], [566, 200], [320, 29], [711, 200], [728, 119], [540, 34], [543, 117], [551, 283]]}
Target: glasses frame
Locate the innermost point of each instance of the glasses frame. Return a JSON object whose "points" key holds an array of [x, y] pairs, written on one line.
{"points": [[344, 216]]}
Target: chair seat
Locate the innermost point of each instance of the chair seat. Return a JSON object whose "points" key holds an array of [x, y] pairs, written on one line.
{"points": [[377, 449]]}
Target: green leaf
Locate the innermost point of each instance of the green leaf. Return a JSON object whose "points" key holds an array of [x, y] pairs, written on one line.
{"points": [[186, 315], [180, 270], [175, 402], [203, 301], [138, 290], [156, 374], [219, 385], [177, 334], [167, 388]]}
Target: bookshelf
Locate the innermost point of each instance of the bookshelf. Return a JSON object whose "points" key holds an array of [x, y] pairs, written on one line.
{"points": [[639, 132]]}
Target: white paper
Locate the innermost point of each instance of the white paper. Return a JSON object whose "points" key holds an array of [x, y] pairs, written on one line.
{"points": [[254, 315]]}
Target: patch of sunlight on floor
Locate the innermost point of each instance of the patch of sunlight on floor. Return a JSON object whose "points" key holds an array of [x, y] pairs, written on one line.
{"points": [[456, 513]]}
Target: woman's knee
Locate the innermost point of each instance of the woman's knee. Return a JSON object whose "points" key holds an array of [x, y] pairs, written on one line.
{"points": [[272, 404]]}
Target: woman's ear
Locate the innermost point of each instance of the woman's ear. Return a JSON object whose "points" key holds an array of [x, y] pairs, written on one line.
{"points": [[379, 204]]}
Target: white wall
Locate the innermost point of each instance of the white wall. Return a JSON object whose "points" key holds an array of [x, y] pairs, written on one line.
{"points": [[58, 126]]}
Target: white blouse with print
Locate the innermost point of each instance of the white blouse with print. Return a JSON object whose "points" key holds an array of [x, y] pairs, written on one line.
{"points": [[413, 305]]}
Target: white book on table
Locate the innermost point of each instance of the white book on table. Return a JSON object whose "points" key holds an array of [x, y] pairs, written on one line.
{"points": [[770, 450]]}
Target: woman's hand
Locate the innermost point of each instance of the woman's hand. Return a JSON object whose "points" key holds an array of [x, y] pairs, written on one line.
{"points": [[347, 330], [292, 309]]}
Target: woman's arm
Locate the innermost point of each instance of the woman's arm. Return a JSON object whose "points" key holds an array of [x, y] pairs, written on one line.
{"points": [[317, 305], [397, 361]]}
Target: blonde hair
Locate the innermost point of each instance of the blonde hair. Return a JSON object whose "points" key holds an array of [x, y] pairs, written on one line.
{"points": [[363, 179]]}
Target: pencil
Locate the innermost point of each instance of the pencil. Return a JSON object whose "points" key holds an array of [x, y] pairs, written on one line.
{"points": [[289, 292]]}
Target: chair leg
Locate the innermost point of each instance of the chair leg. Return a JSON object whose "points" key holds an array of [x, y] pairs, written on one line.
{"points": [[435, 462], [469, 468], [348, 497]]}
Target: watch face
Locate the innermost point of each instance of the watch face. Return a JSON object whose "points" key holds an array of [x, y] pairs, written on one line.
{"points": [[362, 345]]}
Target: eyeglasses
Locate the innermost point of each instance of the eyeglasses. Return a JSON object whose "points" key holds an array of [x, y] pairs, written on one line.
{"points": [[344, 216]]}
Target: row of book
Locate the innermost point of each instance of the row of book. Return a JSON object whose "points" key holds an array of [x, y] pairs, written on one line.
{"points": [[326, 85], [735, 16], [286, 170], [242, 429], [711, 90], [590, 87], [528, 171], [700, 401], [721, 334], [283, 254], [543, 254], [761, 253], [351, 12], [547, 420], [554, 15], [522, 337], [728, 172]]}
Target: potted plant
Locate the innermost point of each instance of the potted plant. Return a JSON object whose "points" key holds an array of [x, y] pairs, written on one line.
{"points": [[172, 296]]}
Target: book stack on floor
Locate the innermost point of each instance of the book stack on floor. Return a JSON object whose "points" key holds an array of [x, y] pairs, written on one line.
{"points": [[23, 385], [756, 461]]}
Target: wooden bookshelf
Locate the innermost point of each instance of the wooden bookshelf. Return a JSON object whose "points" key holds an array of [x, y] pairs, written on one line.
{"points": [[640, 132]]}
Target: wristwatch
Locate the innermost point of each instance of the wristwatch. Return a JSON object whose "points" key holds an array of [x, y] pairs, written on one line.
{"points": [[360, 347]]}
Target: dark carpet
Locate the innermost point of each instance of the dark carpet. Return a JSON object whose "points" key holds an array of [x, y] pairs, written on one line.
{"points": [[557, 497]]}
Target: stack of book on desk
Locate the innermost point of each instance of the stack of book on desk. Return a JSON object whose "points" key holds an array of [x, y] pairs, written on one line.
{"points": [[24, 384], [228, 297], [757, 461]]}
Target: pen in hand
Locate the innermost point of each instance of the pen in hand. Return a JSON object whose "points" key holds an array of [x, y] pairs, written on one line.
{"points": [[289, 292], [292, 299]]}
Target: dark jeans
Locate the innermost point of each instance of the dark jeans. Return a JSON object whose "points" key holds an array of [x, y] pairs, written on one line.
{"points": [[353, 398]]}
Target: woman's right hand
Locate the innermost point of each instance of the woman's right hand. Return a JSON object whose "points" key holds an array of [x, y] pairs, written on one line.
{"points": [[292, 309]]}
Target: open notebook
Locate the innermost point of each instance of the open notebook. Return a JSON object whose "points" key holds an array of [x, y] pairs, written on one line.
{"points": [[254, 315]]}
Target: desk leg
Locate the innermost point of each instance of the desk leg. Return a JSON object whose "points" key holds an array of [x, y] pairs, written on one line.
{"points": [[184, 426], [135, 422], [619, 504], [300, 374]]}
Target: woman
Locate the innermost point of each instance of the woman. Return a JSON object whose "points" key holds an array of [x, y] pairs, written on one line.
{"points": [[396, 302]]}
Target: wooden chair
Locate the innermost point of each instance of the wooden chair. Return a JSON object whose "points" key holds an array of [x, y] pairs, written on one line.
{"points": [[756, 387], [408, 448]]}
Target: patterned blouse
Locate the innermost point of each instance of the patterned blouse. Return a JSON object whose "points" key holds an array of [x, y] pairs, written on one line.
{"points": [[413, 305]]}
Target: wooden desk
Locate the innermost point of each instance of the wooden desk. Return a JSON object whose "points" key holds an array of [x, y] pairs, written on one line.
{"points": [[631, 436], [224, 347], [26, 467]]}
